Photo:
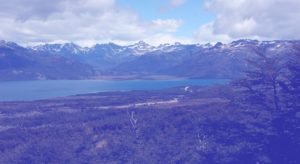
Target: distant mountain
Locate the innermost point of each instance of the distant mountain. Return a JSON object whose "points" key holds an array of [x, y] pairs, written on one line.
{"points": [[71, 61], [18, 63], [206, 61]]}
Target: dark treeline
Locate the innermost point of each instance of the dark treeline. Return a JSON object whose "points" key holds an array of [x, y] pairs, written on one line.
{"points": [[272, 85]]}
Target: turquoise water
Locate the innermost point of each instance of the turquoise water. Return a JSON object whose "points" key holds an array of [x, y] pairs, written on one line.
{"points": [[34, 90]]}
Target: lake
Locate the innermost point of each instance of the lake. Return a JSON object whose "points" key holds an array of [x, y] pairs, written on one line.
{"points": [[35, 90]]}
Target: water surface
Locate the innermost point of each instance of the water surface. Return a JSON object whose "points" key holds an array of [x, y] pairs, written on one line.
{"points": [[34, 90]]}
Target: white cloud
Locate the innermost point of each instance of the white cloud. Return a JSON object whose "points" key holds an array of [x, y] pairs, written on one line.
{"points": [[22, 10], [205, 34], [168, 25], [176, 3], [261, 19], [171, 5], [80, 21], [161, 38]]}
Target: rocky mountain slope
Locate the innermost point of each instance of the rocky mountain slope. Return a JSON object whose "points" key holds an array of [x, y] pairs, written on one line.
{"points": [[19, 63], [71, 61]]}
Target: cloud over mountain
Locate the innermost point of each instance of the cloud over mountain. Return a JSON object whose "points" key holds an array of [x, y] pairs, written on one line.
{"points": [[87, 22], [81, 21], [267, 19]]}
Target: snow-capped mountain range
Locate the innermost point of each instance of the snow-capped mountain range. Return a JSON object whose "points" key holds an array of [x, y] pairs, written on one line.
{"points": [[136, 49], [71, 61]]}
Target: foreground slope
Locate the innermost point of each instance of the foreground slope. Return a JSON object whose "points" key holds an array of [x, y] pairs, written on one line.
{"points": [[179, 125]]}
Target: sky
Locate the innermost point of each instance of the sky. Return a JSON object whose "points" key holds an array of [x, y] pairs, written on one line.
{"points": [[87, 22]]}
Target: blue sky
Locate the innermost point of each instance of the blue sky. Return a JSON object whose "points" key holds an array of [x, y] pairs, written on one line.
{"points": [[87, 22], [192, 12]]}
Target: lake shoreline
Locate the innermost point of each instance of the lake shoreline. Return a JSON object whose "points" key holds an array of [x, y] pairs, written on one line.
{"points": [[46, 89], [120, 78]]}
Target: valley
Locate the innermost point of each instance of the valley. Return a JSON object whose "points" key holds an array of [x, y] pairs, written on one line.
{"points": [[150, 82]]}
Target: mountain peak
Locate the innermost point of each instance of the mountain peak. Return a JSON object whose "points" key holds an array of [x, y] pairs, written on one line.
{"points": [[71, 44], [142, 43], [243, 42], [177, 44], [141, 48], [5, 44]]}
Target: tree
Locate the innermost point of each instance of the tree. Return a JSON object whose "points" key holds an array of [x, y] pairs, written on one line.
{"points": [[274, 83], [292, 86], [262, 81]]}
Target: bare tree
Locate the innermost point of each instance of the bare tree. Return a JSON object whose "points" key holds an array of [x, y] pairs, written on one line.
{"points": [[263, 79], [133, 120], [292, 87]]}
